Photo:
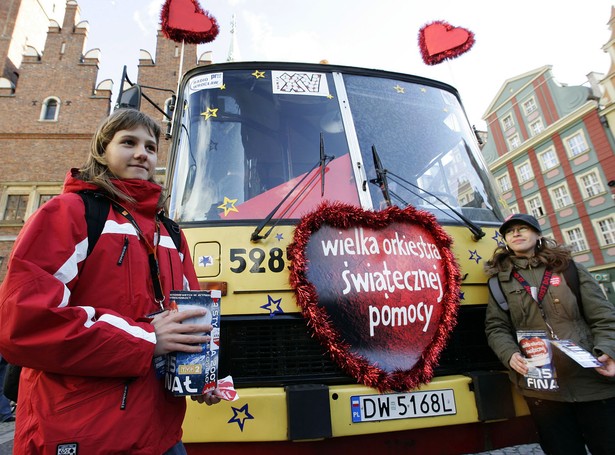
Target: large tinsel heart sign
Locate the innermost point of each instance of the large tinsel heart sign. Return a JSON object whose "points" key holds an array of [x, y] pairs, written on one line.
{"points": [[440, 40], [185, 21], [379, 290]]}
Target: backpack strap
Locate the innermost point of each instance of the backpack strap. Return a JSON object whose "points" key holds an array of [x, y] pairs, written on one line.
{"points": [[97, 207], [572, 279], [96, 211], [495, 288], [173, 230]]}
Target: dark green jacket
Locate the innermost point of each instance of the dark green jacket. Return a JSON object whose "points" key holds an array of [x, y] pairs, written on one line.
{"points": [[595, 332]]}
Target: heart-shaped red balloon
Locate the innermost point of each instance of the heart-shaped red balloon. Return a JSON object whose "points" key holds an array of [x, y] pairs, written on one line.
{"points": [[439, 41], [185, 21], [380, 290]]}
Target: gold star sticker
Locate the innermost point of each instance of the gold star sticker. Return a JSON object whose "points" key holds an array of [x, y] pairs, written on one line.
{"points": [[258, 74], [228, 208], [330, 96], [399, 89], [210, 113], [223, 87]]}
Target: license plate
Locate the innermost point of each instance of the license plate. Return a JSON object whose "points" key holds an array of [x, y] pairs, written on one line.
{"points": [[369, 408]]}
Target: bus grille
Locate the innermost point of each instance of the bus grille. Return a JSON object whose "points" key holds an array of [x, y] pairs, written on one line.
{"points": [[279, 351]]}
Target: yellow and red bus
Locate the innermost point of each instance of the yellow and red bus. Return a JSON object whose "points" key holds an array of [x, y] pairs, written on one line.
{"points": [[258, 145]]}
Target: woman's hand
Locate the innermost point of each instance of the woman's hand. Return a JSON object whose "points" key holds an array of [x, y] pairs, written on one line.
{"points": [[518, 363], [208, 398], [608, 366], [172, 335]]}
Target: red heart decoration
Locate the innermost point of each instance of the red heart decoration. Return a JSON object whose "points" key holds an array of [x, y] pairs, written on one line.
{"points": [[380, 290], [439, 41], [185, 21]]}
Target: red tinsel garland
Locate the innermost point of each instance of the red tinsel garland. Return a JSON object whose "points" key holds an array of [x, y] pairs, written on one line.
{"points": [[197, 26], [344, 216]]}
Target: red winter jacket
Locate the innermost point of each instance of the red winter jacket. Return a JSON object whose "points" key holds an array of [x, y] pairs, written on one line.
{"points": [[78, 326]]}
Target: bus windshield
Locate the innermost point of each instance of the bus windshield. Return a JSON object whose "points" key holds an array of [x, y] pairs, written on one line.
{"points": [[252, 142]]}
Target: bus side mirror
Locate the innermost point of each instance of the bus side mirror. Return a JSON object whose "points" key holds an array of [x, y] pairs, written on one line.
{"points": [[130, 98]]}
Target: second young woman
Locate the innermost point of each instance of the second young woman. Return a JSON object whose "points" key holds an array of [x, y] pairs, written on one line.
{"points": [[572, 406]]}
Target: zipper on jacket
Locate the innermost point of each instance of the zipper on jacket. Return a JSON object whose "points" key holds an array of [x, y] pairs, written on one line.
{"points": [[125, 394], [124, 250], [170, 256]]}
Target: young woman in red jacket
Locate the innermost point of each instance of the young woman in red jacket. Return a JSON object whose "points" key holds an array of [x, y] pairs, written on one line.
{"points": [[81, 324]]}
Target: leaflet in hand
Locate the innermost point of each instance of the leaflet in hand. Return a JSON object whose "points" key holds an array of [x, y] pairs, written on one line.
{"points": [[535, 347], [577, 353], [190, 373]]}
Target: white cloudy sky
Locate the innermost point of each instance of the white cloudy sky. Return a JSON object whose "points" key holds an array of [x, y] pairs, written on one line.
{"points": [[512, 38]]}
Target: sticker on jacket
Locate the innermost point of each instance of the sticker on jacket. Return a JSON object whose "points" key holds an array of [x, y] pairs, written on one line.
{"points": [[536, 348], [67, 448]]}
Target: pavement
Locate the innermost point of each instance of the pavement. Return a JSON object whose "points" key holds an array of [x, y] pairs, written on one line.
{"points": [[526, 449], [7, 429]]}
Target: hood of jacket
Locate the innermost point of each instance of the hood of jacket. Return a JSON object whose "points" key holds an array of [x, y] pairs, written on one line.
{"points": [[145, 193]]}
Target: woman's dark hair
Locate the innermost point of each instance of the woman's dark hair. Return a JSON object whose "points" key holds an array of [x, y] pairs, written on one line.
{"points": [[547, 251], [96, 170]]}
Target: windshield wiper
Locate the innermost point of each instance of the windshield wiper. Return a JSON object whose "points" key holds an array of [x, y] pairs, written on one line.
{"points": [[381, 180], [381, 177], [322, 163]]}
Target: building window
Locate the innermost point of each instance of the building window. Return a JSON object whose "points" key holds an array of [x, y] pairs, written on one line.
{"points": [[576, 239], [536, 127], [507, 122], [524, 172], [576, 144], [504, 183], [50, 109], [561, 196], [16, 205], [606, 231], [44, 198], [535, 207], [529, 106], [513, 208], [590, 184], [514, 141], [548, 159]]}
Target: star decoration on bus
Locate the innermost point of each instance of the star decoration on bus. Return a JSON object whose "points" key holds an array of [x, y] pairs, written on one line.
{"points": [[228, 206], [329, 96], [240, 415], [273, 306], [498, 239], [210, 112], [279, 237], [206, 261], [223, 87], [474, 256], [462, 295], [399, 89], [258, 74]]}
